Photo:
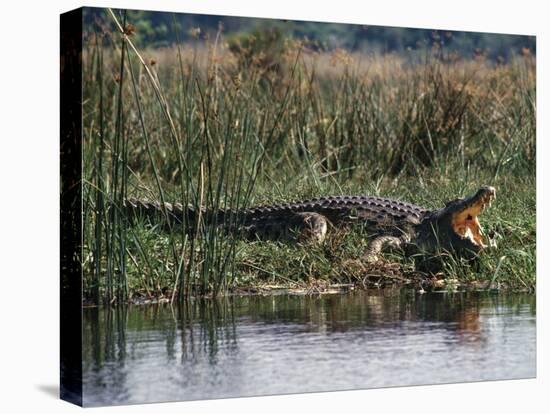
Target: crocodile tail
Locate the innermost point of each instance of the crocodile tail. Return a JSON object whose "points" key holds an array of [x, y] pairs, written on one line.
{"points": [[176, 213]]}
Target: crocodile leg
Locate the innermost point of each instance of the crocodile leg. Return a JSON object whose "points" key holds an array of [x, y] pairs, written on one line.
{"points": [[303, 226], [379, 243], [312, 227]]}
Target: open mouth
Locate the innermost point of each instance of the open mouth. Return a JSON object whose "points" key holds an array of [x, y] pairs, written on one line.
{"points": [[466, 222]]}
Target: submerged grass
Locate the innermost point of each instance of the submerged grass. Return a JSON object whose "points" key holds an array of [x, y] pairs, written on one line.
{"points": [[204, 129]]}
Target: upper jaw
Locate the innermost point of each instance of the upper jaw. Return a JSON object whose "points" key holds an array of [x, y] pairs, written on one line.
{"points": [[483, 197], [464, 217]]}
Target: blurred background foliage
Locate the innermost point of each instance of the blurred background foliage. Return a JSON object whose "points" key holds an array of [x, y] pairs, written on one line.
{"points": [[157, 29]]}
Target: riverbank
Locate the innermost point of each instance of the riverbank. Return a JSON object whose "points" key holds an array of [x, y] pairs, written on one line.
{"points": [[415, 282], [258, 266]]}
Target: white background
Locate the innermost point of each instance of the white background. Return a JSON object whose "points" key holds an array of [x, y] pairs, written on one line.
{"points": [[29, 188]]}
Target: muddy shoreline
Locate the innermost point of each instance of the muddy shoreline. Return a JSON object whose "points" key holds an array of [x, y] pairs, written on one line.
{"points": [[318, 288]]}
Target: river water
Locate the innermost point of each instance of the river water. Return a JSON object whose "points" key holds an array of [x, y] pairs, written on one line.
{"points": [[253, 345]]}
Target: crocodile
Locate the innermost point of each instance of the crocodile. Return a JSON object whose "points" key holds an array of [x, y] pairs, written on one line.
{"points": [[453, 228]]}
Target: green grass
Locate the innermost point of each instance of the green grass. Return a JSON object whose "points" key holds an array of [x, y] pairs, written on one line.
{"points": [[269, 263], [206, 129]]}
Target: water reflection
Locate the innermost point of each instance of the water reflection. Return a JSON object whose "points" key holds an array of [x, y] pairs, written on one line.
{"points": [[260, 345]]}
